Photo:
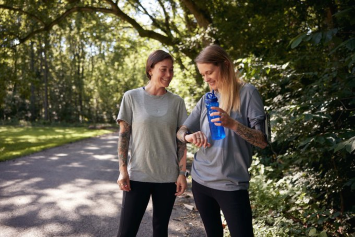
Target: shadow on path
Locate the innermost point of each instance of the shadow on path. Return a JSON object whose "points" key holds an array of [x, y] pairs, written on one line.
{"points": [[71, 190]]}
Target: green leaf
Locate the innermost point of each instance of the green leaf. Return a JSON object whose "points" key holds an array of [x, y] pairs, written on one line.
{"points": [[341, 45], [312, 232], [297, 40], [323, 234], [349, 145], [350, 44], [329, 34], [317, 37], [304, 142]]}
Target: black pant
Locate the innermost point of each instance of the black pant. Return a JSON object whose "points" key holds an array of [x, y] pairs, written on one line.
{"points": [[135, 203], [235, 206]]}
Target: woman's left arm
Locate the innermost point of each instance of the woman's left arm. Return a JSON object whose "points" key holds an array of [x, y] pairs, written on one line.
{"points": [[253, 136], [181, 183]]}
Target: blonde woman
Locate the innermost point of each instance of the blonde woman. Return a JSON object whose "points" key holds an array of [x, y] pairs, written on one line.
{"points": [[220, 177]]}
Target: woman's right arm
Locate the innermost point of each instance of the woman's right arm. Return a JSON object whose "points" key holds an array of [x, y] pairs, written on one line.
{"points": [[123, 145]]}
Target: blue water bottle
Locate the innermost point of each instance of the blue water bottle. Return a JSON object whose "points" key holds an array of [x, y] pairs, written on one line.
{"points": [[211, 100]]}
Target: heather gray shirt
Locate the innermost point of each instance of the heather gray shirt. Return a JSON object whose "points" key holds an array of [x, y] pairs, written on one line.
{"points": [[154, 121], [224, 165]]}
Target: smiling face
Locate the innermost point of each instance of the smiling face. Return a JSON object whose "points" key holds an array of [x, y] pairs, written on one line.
{"points": [[162, 73], [210, 74]]}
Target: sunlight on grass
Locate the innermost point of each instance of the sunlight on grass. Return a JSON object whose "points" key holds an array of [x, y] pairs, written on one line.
{"points": [[20, 141]]}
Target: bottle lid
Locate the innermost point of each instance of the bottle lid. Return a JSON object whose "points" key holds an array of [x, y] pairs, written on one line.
{"points": [[210, 97]]}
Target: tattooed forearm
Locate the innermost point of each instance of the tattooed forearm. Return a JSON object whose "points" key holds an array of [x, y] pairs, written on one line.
{"points": [[123, 143], [182, 163], [181, 150], [181, 147], [254, 137], [181, 134]]}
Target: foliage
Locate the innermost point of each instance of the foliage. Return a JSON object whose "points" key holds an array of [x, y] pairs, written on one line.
{"points": [[20, 141], [71, 62], [285, 207]]}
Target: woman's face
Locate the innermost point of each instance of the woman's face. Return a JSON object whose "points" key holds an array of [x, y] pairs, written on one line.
{"points": [[210, 74], [162, 73]]}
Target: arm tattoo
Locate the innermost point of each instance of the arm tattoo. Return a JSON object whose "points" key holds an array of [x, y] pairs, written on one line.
{"points": [[181, 134], [123, 143], [181, 152], [181, 147], [254, 137]]}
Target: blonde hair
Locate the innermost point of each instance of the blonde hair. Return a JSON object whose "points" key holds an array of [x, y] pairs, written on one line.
{"points": [[230, 83]]}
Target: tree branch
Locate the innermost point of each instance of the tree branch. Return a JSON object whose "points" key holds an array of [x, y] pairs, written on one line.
{"points": [[115, 10], [141, 31], [167, 18], [201, 19], [155, 22], [23, 12], [49, 26]]}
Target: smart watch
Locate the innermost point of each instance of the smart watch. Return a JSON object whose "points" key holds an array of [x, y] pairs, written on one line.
{"points": [[184, 173]]}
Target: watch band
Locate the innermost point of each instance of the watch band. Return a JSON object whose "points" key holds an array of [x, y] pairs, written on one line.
{"points": [[184, 173]]}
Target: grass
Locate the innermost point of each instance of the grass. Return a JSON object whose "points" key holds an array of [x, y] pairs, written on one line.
{"points": [[20, 141]]}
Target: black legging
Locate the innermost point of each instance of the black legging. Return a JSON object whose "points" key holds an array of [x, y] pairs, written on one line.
{"points": [[135, 203], [235, 206]]}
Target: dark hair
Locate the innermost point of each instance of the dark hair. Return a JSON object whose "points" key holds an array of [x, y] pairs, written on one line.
{"points": [[154, 58]]}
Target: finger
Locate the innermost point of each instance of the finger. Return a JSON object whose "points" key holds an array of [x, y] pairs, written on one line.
{"points": [[178, 190], [218, 109], [128, 186], [198, 139], [177, 187], [204, 140], [215, 120], [124, 185], [181, 191]]}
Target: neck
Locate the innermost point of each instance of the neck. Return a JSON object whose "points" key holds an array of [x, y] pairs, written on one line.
{"points": [[154, 90]]}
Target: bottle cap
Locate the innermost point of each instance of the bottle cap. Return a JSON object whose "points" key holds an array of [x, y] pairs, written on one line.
{"points": [[210, 97]]}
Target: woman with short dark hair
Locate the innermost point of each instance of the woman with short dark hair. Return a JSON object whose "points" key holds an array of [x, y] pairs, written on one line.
{"points": [[149, 118]]}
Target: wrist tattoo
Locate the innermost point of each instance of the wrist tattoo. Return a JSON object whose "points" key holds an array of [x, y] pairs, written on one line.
{"points": [[182, 133]]}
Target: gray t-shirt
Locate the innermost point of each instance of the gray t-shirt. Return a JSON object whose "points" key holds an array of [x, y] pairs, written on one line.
{"points": [[224, 165], [154, 121]]}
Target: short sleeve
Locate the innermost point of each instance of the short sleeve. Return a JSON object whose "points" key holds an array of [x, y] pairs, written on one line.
{"points": [[126, 112], [182, 113], [256, 114], [193, 121]]}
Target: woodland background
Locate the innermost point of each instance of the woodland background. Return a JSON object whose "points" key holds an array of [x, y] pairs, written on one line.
{"points": [[69, 62]]}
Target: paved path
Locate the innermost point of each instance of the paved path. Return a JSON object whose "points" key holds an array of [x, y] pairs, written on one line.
{"points": [[71, 191]]}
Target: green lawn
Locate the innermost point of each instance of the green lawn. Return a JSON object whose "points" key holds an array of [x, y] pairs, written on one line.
{"points": [[20, 141]]}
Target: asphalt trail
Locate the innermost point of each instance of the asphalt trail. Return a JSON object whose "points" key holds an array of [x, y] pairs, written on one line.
{"points": [[71, 190]]}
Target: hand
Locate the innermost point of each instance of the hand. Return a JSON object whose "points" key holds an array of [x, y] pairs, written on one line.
{"points": [[123, 181], [198, 139], [224, 119], [181, 185]]}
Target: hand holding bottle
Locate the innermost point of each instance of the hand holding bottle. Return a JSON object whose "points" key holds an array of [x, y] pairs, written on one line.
{"points": [[223, 118]]}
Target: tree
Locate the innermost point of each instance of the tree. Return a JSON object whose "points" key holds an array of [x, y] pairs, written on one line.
{"points": [[297, 53]]}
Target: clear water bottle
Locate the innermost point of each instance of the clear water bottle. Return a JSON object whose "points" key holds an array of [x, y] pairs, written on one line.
{"points": [[211, 100]]}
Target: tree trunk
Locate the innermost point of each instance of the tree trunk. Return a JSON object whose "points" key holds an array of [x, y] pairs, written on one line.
{"points": [[33, 95]]}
